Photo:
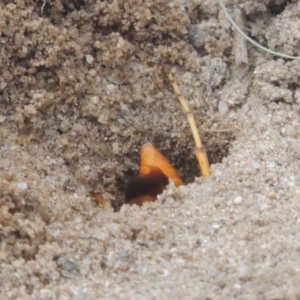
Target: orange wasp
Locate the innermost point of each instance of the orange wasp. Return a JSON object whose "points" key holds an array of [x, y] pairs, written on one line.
{"points": [[155, 172]]}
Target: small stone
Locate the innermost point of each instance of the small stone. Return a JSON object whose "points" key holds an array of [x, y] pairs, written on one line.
{"points": [[30, 109], [89, 59], [63, 140], [95, 99], [215, 226], [98, 45], [197, 37], [92, 72], [37, 96], [223, 107], [272, 195], [11, 239], [2, 119], [123, 255], [237, 286], [3, 85], [115, 148], [123, 209], [68, 265], [114, 128], [22, 186], [238, 200], [116, 79]]}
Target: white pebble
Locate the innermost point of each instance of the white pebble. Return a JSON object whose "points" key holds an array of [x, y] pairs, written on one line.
{"points": [[22, 186], [37, 96], [30, 109], [95, 99], [3, 85], [115, 148], [89, 59], [56, 233], [215, 226], [237, 286], [223, 107], [238, 200]]}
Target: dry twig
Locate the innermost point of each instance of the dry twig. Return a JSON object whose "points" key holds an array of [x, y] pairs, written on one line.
{"points": [[200, 150], [240, 44]]}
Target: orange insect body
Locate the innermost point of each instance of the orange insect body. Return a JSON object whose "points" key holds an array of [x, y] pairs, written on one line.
{"points": [[152, 159], [99, 198], [155, 171]]}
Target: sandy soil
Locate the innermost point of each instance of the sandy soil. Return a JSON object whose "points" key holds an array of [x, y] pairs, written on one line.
{"points": [[82, 89]]}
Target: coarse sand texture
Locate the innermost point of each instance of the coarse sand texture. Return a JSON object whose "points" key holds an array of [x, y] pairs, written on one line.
{"points": [[82, 88]]}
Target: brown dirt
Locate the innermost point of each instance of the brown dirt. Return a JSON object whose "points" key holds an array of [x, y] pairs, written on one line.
{"points": [[82, 89]]}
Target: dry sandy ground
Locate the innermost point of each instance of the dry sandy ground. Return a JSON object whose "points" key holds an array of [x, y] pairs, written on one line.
{"points": [[81, 89]]}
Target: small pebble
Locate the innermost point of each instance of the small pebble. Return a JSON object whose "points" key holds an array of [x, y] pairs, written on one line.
{"points": [[272, 195], [237, 286], [223, 107], [68, 265], [95, 99], [123, 255], [22, 186], [238, 200], [197, 37], [115, 147], [3, 85], [30, 109], [89, 59]]}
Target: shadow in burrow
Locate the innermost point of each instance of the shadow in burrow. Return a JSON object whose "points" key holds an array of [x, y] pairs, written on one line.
{"points": [[217, 146]]}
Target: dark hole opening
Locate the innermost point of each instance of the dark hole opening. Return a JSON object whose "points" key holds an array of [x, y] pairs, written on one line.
{"points": [[217, 147]]}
